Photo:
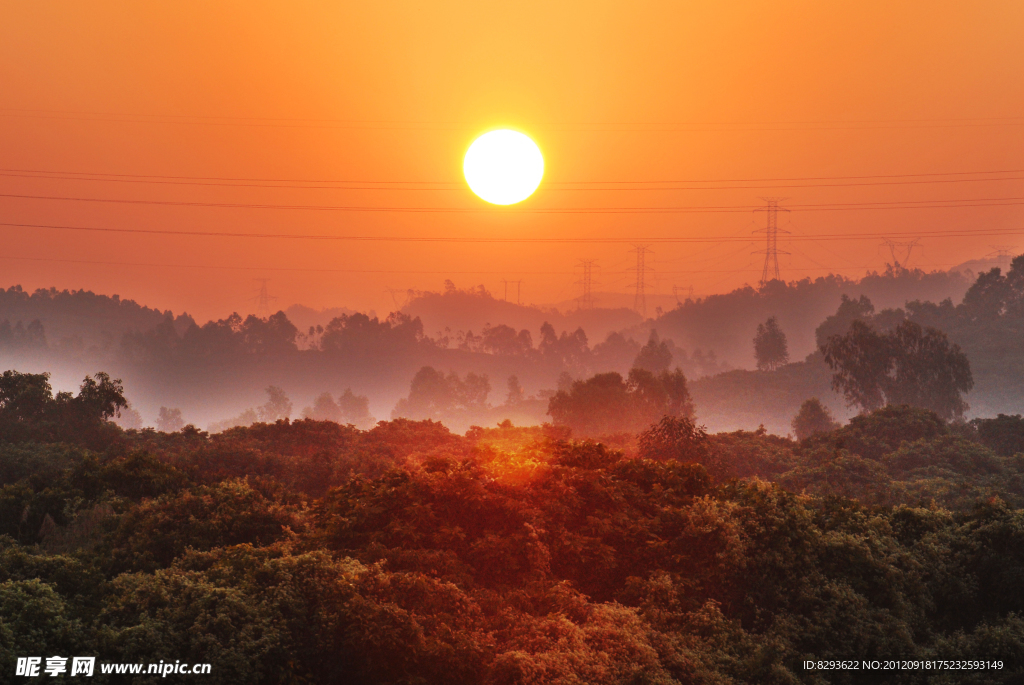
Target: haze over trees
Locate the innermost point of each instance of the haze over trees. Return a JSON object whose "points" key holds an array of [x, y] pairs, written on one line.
{"points": [[813, 418], [217, 372], [348, 409], [313, 551], [607, 404], [770, 347], [655, 356], [726, 322], [433, 395], [909, 365]]}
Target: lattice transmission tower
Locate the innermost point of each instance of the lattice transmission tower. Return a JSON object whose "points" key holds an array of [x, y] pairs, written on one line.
{"points": [[641, 269], [1001, 253], [263, 299], [586, 300], [518, 284], [900, 249], [676, 289], [771, 252]]}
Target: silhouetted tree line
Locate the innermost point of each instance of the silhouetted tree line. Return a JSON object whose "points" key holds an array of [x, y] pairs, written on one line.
{"points": [[80, 319], [18, 338]]}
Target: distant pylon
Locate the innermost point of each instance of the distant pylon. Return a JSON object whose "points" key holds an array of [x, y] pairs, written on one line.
{"points": [[771, 252], [586, 300], [518, 284], [263, 299], [641, 269], [896, 248], [676, 289], [406, 294], [1001, 252]]}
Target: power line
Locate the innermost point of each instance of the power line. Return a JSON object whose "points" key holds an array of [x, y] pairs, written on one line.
{"points": [[550, 186], [692, 209], [97, 262], [635, 126], [1001, 252], [86, 175], [951, 233]]}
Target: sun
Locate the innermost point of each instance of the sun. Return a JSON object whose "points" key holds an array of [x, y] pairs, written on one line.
{"points": [[503, 167]]}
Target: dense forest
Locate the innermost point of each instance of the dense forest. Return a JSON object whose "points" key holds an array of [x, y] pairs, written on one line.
{"points": [[311, 551]]}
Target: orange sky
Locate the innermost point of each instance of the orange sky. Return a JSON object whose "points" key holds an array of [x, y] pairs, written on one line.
{"points": [[388, 91]]}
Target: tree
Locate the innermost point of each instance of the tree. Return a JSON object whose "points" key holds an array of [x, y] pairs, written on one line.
{"points": [[355, 409], [909, 365], [675, 437], [101, 397], [130, 418], [24, 397], [170, 420], [848, 312], [503, 340], [277, 406], [770, 346], [432, 395], [928, 371], [1004, 434], [655, 356], [30, 411], [324, 409], [515, 392], [813, 418], [607, 403]]}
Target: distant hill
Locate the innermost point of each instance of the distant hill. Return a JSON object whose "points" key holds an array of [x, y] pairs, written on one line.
{"points": [[471, 310], [977, 266], [726, 323], [81, 319]]}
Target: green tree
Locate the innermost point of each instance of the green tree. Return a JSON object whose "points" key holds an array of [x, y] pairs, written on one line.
{"points": [[675, 437], [770, 346], [30, 411], [34, 621], [1004, 434]]}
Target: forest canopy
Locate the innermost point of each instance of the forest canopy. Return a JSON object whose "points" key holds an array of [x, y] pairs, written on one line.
{"points": [[311, 551]]}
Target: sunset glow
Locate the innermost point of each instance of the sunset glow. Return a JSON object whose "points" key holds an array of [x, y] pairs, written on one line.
{"points": [[503, 167]]}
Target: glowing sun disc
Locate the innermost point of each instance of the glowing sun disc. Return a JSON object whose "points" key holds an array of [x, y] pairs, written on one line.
{"points": [[503, 167]]}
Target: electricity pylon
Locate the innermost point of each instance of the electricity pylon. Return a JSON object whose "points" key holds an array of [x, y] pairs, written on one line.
{"points": [[771, 252], [263, 299], [641, 269], [586, 300], [897, 248]]}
